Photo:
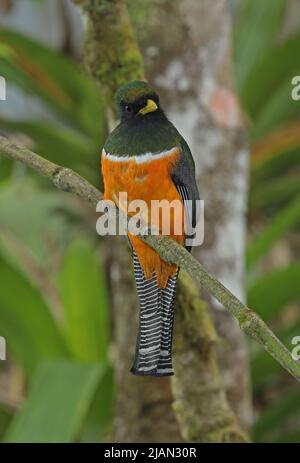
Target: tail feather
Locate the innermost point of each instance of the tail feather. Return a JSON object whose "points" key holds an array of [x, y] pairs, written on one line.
{"points": [[154, 343], [167, 304]]}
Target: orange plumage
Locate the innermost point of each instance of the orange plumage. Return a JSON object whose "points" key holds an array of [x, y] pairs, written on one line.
{"points": [[150, 180]]}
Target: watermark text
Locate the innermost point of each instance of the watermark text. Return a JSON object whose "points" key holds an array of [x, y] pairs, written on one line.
{"points": [[2, 348], [296, 349], [296, 88], [161, 217], [2, 89]]}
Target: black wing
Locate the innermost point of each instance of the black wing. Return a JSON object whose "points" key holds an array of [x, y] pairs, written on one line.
{"points": [[183, 177]]}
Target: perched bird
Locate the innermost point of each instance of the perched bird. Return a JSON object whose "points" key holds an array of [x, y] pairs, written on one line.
{"points": [[146, 157]]}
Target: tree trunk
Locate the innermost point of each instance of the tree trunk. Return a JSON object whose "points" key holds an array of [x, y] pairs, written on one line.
{"points": [[144, 406]]}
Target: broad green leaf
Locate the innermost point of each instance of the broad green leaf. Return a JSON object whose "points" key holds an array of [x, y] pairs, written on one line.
{"points": [[269, 72], [63, 141], [83, 288], [61, 145], [264, 369], [286, 162], [280, 141], [271, 292], [277, 111], [99, 418], [26, 322], [38, 218], [283, 222], [6, 167], [290, 437], [275, 193], [5, 418], [275, 416], [255, 33], [55, 79], [59, 398]]}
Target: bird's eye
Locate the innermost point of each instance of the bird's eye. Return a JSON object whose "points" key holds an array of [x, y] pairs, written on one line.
{"points": [[128, 109]]}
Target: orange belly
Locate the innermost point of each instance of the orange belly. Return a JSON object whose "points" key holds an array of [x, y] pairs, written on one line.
{"points": [[147, 181]]}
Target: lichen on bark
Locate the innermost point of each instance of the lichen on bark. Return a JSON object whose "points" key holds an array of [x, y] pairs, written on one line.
{"points": [[111, 54]]}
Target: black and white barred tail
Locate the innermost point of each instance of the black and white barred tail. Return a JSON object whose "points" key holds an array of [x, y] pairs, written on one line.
{"points": [[154, 344]]}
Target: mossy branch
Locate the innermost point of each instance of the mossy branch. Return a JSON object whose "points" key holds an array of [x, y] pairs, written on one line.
{"points": [[250, 322]]}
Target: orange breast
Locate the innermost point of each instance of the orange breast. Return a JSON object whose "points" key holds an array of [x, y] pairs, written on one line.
{"points": [[147, 181]]}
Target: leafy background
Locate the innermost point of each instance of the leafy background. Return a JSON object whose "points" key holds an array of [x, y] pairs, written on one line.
{"points": [[57, 384]]}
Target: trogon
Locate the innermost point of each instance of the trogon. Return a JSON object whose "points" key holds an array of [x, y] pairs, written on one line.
{"points": [[146, 157]]}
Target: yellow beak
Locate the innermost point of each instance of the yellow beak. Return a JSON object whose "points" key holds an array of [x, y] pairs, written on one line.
{"points": [[149, 108]]}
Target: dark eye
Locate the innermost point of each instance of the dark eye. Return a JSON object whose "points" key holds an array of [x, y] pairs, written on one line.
{"points": [[128, 109]]}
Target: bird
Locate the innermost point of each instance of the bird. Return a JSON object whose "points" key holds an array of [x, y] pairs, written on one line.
{"points": [[146, 157]]}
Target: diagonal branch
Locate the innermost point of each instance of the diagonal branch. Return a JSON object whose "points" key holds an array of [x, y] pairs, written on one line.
{"points": [[250, 322]]}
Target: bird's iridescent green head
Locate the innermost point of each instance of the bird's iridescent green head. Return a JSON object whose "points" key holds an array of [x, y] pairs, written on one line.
{"points": [[136, 99], [144, 127]]}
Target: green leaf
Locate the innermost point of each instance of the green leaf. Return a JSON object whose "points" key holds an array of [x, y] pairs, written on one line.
{"points": [[26, 322], [61, 145], [285, 162], [83, 287], [264, 369], [270, 293], [275, 193], [37, 218], [6, 167], [290, 437], [277, 110], [55, 79], [57, 403], [255, 33], [5, 419], [65, 144], [283, 222], [283, 141], [268, 73], [99, 419], [275, 416]]}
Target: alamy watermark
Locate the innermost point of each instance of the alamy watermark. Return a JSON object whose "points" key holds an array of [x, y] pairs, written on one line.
{"points": [[296, 349], [2, 88], [2, 348], [162, 217], [295, 94]]}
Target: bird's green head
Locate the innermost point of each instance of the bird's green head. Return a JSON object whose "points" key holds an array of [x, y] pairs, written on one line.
{"points": [[136, 99]]}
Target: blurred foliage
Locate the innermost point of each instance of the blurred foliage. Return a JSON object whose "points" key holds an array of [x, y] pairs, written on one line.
{"points": [[265, 63], [53, 298], [58, 418], [75, 134]]}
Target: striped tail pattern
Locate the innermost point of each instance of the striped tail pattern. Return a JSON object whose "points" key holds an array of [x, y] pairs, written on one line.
{"points": [[154, 344]]}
